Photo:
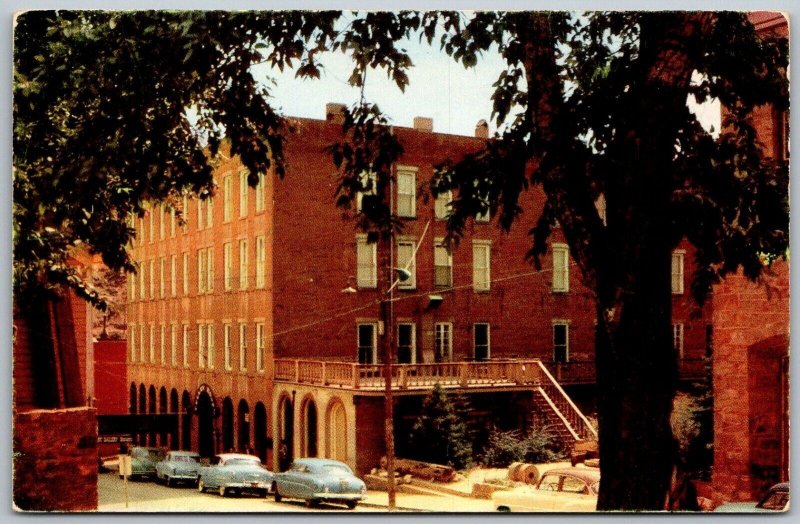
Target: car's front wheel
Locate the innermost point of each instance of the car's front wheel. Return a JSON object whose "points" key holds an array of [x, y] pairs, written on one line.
{"points": [[351, 504], [275, 492]]}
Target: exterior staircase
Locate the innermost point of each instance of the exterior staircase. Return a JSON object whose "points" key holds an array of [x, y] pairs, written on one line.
{"points": [[559, 413]]}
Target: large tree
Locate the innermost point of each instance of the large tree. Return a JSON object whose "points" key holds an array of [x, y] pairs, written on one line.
{"points": [[588, 105]]}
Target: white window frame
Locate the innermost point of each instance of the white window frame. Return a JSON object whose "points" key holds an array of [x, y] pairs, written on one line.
{"points": [[185, 213], [406, 196], [488, 340], [185, 343], [210, 345], [442, 254], [173, 270], [565, 324], [481, 262], [151, 226], [201, 345], [560, 268], [678, 332], [162, 289], [243, 193], [161, 226], [201, 271], [152, 343], [677, 271], [374, 342], [226, 341], [163, 346], [443, 345], [407, 244], [261, 262], [413, 348], [172, 221], [173, 339], [441, 206], [261, 193], [200, 213], [185, 273], [227, 198], [366, 272], [260, 346], [142, 345], [132, 338], [367, 179], [152, 278], [210, 269], [142, 269], [210, 212], [243, 264], [242, 346], [227, 263]]}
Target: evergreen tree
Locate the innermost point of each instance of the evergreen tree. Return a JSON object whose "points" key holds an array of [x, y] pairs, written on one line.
{"points": [[439, 434]]}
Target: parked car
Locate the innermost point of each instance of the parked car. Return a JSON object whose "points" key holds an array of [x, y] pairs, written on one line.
{"points": [[143, 461], [316, 480], [567, 490], [178, 466], [776, 499], [235, 472]]}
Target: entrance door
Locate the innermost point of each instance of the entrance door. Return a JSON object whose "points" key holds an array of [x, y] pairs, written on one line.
{"points": [[406, 345], [205, 425]]}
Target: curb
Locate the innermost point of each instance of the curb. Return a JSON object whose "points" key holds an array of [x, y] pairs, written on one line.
{"points": [[398, 508]]}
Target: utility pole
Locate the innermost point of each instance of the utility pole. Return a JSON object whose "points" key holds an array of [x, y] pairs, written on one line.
{"points": [[387, 293]]}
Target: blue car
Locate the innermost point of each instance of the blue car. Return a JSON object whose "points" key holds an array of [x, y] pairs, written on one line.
{"points": [[235, 473], [178, 466], [319, 480], [776, 499]]}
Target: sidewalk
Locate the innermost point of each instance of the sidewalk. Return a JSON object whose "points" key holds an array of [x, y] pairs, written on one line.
{"points": [[428, 503]]}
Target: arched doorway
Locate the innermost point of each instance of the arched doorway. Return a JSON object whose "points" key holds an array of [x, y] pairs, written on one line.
{"points": [[310, 428], [206, 409], [227, 424], [337, 431], [151, 408], [244, 426], [132, 400], [186, 421], [173, 408], [162, 408], [141, 438], [260, 431], [286, 433]]}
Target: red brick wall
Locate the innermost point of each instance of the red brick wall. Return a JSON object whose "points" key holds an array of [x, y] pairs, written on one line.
{"points": [[370, 437], [111, 385], [751, 327], [55, 460]]}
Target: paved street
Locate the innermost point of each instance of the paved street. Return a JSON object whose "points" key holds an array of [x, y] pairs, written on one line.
{"points": [[146, 496]]}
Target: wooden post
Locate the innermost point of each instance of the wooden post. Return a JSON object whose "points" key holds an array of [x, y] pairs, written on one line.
{"points": [[354, 369]]}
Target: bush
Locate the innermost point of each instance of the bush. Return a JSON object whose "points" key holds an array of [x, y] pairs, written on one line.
{"points": [[439, 434], [505, 447]]}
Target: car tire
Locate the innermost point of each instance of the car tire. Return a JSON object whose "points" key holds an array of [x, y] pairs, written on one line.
{"points": [[275, 492], [201, 486], [351, 504], [311, 503], [223, 492], [503, 509]]}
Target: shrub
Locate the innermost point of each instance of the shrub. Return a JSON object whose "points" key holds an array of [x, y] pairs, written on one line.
{"points": [[505, 447], [439, 434]]}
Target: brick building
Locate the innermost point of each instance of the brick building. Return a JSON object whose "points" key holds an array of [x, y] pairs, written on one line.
{"points": [[259, 318]]}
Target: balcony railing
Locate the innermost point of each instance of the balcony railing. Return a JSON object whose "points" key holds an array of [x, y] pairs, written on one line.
{"points": [[450, 374]]}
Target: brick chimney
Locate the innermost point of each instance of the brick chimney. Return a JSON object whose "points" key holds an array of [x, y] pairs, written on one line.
{"points": [[334, 113], [482, 129], [423, 123]]}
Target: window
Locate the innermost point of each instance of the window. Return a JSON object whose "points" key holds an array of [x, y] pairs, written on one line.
{"points": [[201, 346], [406, 192], [161, 222], [132, 280], [132, 338], [484, 216], [173, 273], [369, 181], [405, 260], [141, 270], [261, 262], [185, 345], [210, 348], [560, 268], [141, 344], [152, 278], [677, 339], [677, 272], [443, 342], [140, 232], [482, 349], [161, 283], [243, 264], [152, 343], [481, 261], [172, 221], [227, 263], [560, 341], [185, 274], [260, 346], [201, 215], [226, 344], [442, 264], [243, 193], [163, 346], [261, 193], [367, 261], [151, 225], [243, 346], [173, 344], [185, 212], [210, 212], [201, 271], [367, 343], [210, 269], [406, 343], [441, 207], [227, 198]]}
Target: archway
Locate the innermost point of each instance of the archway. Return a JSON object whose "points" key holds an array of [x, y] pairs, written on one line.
{"points": [[173, 408], [151, 408], [244, 426], [337, 431], [132, 400], [162, 408], [141, 438], [286, 433], [309, 429], [260, 431], [227, 424], [206, 408], [186, 421]]}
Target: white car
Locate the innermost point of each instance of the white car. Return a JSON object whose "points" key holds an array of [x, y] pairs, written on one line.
{"points": [[559, 490]]}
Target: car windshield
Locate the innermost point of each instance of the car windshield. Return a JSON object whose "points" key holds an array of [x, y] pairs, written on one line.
{"points": [[775, 501], [336, 469], [242, 462], [184, 458], [156, 454]]}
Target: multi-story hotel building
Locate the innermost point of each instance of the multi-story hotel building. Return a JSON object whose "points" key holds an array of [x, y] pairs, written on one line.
{"points": [[259, 319]]}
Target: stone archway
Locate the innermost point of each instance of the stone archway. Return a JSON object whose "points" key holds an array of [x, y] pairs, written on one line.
{"points": [[205, 406], [162, 408], [151, 408], [309, 429], [141, 438], [337, 431], [227, 424], [173, 408], [260, 431], [132, 400], [285, 443], [243, 432], [186, 421]]}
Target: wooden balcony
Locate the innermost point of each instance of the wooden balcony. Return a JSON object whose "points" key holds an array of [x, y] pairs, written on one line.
{"points": [[574, 373]]}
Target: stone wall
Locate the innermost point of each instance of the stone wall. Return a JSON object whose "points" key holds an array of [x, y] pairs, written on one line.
{"points": [[55, 460]]}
